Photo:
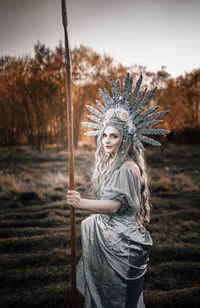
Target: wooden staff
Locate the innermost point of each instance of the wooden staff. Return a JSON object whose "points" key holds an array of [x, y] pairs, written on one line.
{"points": [[70, 151]]}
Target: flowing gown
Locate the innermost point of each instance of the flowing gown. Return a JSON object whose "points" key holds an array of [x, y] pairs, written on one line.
{"points": [[115, 248]]}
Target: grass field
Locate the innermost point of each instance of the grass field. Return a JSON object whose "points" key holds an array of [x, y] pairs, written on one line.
{"points": [[35, 227]]}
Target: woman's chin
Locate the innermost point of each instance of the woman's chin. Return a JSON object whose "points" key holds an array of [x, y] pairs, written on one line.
{"points": [[108, 151]]}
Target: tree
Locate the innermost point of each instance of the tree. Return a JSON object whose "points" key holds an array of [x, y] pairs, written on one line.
{"points": [[190, 87]]}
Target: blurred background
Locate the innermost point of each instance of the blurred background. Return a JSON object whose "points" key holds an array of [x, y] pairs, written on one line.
{"points": [[156, 38]]}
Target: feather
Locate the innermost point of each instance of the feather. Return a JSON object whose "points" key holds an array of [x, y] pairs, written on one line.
{"points": [[109, 101], [102, 95], [101, 107], [126, 87], [145, 101], [149, 140], [157, 115], [118, 88], [129, 89], [91, 125], [148, 123], [137, 88], [139, 144], [93, 110], [153, 131], [93, 118], [92, 133], [138, 101], [113, 89], [149, 111]]}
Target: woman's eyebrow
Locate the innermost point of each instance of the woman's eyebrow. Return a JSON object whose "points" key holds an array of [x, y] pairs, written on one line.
{"points": [[114, 134]]}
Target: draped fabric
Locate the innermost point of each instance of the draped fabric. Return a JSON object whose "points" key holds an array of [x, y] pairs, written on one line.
{"points": [[125, 186], [115, 249]]}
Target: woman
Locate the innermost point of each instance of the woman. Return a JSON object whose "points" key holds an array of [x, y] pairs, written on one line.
{"points": [[115, 244]]}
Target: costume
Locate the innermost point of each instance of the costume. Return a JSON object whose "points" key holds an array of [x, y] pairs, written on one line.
{"points": [[125, 113], [116, 248]]}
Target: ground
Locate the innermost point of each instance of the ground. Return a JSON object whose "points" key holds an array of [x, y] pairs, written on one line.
{"points": [[35, 227]]}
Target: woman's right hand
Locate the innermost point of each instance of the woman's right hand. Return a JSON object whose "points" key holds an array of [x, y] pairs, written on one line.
{"points": [[74, 199]]}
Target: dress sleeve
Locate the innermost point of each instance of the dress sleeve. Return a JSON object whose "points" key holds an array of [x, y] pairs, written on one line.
{"points": [[124, 186]]}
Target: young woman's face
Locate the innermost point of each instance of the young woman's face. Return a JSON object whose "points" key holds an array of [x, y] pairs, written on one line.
{"points": [[111, 138]]}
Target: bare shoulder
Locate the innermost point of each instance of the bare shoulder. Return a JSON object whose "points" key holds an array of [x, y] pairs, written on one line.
{"points": [[132, 165]]}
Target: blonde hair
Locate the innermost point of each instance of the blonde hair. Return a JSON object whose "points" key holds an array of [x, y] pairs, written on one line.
{"points": [[104, 168]]}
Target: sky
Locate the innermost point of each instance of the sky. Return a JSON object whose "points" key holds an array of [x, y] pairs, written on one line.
{"points": [[152, 33]]}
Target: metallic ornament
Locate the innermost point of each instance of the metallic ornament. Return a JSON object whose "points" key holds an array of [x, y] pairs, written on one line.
{"points": [[121, 108], [124, 115], [109, 113]]}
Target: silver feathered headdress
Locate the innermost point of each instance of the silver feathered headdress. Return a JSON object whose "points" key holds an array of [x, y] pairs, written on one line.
{"points": [[127, 110]]}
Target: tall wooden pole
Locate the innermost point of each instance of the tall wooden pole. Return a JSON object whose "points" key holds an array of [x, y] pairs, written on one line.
{"points": [[70, 134]]}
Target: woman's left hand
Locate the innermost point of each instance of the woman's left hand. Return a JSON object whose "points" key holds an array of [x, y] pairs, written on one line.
{"points": [[74, 199]]}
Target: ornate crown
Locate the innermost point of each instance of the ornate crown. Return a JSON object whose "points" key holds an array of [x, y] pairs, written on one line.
{"points": [[128, 111]]}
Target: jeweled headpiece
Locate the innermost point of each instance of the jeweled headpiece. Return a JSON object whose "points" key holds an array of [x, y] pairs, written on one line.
{"points": [[122, 109]]}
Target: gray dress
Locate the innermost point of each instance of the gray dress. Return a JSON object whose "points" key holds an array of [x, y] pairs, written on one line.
{"points": [[115, 249]]}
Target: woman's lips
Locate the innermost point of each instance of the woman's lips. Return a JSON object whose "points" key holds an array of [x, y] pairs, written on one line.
{"points": [[108, 146]]}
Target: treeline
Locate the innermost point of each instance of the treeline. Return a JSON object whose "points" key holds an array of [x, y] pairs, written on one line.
{"points": [[32, 95]]}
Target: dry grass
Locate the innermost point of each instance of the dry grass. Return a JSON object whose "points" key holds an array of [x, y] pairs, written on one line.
{"points": [[16, 183], [50, 185], [176, 182], [35, 228]]}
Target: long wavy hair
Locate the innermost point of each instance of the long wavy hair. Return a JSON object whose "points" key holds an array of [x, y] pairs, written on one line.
{"points": [[104, 166]]}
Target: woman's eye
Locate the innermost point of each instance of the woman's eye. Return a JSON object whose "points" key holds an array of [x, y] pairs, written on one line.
{"points": [[111, 136]]}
